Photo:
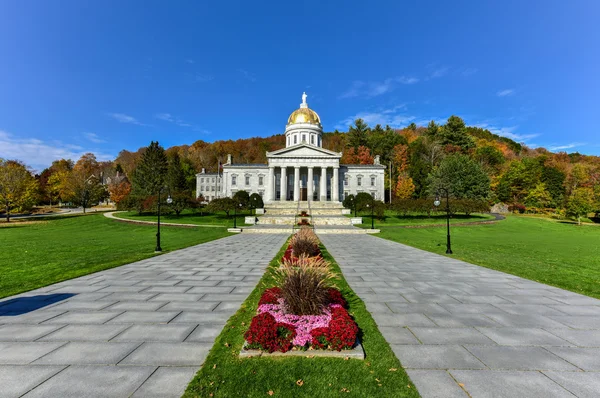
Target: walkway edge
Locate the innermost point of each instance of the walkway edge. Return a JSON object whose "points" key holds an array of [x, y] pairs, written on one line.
{"points": [[112, 216]]}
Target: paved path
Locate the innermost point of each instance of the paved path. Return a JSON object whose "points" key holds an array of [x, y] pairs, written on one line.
{"points": [[143, 328], [458, 327]]}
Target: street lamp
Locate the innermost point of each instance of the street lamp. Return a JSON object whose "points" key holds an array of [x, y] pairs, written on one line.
{"points": [[372, 206], [235, 215], [437, 202], [169, 201]]}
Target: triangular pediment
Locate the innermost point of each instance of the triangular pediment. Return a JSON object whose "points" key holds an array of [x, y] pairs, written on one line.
{"points": [[303, 150]]}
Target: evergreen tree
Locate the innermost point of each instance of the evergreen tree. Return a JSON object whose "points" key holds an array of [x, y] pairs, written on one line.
{"points": [[554, 179], [358, 135], [454, 133], [462, 177], [151, 173]]}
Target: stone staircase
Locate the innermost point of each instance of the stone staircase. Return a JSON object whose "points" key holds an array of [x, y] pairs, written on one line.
{"points": [[319, 214]]}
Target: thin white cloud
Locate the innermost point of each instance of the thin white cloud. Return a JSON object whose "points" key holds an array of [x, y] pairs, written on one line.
{"points": [[167, 117], [39, 154], [508, 132], [200, 78], [376, 88], [248, 75], [505, 93], [384, 117], [94, 138], [566, 146], [468, 71], [123, 118], [439, 72]]}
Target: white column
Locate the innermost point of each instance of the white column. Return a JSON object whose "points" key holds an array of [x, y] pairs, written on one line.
{"points": [[296, 183], [335, 185], [283, 183], [270, 191], [309, 184], [323, 188]]}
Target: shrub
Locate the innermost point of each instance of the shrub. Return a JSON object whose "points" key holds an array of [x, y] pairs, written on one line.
{"points": [[305, 288], [320, 337], [517, 208]]}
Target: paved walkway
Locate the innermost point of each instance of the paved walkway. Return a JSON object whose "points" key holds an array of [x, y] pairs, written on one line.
{"points": [[458, 327], [143, 328]]}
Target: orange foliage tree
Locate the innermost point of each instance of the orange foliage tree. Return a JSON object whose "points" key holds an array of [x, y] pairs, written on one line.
{"points": [[405, 186], [119, 190]]}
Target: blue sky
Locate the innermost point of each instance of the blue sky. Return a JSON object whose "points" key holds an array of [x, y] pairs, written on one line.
{"points": [[109, 75]]}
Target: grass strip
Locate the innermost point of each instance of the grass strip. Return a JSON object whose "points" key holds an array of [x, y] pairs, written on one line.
{"points": [[224, 374]]}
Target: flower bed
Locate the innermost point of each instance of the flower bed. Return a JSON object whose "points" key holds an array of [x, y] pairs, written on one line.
{"points": [[304, 312]]}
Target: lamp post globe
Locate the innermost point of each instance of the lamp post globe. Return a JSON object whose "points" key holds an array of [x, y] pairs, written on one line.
{"points": [[169, 199]]}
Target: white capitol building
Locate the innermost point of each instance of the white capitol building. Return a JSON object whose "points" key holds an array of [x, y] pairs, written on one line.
{"points": [[303, 171]]}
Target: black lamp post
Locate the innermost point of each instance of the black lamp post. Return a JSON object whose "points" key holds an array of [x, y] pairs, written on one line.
{"points": [[169, 201], [437, 203], [372, 206], [235, 215]]}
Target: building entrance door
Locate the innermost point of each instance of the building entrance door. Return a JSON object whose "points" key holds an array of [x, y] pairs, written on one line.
{"points": [[303, 194]]}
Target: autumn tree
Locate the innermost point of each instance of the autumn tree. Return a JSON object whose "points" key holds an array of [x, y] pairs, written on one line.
{"points": [[405, 187], [18, 188], [539, 197], [86, 190], [119, 190]]}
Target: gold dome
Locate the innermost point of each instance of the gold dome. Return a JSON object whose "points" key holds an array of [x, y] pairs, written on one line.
{"points": [[304, 115]]}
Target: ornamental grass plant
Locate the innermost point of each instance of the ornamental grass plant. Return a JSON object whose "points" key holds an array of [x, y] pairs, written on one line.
{"points": [[304, 287], [305, 242]]}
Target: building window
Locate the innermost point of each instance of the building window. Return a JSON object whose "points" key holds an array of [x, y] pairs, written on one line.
{"points": [[295, 139], [359, 181], [372, 181], [260, 180], [312, 139], [213, 179], [345, 180], [212, 188], [233, 180], [247, 180], [202, 180], [201, 188], [303, 137], [374, 194], [318, 141], [261, 193]]}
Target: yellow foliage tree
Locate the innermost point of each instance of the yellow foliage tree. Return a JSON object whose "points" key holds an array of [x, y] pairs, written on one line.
{"points": [[405, 186]]}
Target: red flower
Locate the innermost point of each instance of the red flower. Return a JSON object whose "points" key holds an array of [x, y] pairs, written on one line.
{"points": [[342, 330], [335, 297], [270, 296], [266, 334], [320, 337]]}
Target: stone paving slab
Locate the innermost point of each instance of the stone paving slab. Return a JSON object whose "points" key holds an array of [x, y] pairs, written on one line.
{"points": [[463, 330], [143, 328]]}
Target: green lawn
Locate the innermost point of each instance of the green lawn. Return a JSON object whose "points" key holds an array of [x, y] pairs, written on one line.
{"points": [[394, 219], [39, 253], [187, 217], [548, 251], [224, 374]]}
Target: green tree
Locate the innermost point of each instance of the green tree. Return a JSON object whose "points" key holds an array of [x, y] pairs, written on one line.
{"points": [[181, 196], [226, 205], [18, 188], [554, 179], [243, 198], [419, 166], [454, 133], [150, 175], [539, 197], [86, 189], [349, 202], [490, 158], [520, 178], [358, 134], [362, 199], [463, 177], [580, 203], [432, 129], [256, 201]]}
